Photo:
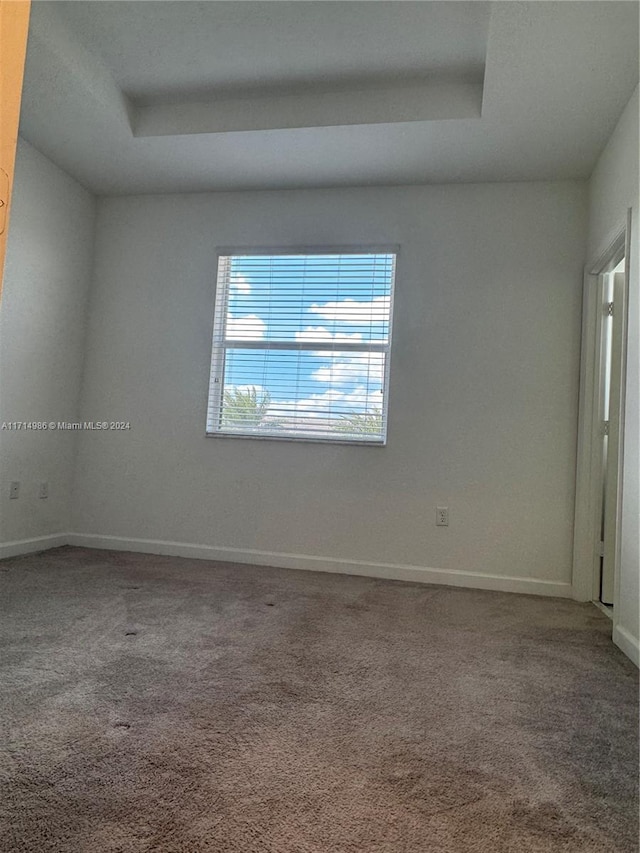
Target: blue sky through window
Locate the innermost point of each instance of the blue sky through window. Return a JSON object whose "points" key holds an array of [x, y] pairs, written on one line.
{"points": [[312, 312]]}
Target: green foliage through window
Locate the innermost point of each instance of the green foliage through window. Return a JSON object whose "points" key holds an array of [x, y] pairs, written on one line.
{"points": [[363, 423], [244, 407]]}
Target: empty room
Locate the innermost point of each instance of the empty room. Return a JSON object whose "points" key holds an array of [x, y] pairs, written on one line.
{"points": [[319, 409]]}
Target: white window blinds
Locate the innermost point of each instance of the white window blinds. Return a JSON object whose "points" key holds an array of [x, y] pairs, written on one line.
{"points": [[301, 346]]}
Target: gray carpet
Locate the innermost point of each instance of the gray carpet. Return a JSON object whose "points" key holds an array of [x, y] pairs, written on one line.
{"points": [[182, 706]]}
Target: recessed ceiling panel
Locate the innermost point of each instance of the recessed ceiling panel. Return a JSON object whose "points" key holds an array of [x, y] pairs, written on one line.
{"points": [[183, 96], [180, 48]]}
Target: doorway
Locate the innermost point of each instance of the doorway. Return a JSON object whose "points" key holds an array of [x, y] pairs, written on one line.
{"points": [[601, 425], [610, 297]]}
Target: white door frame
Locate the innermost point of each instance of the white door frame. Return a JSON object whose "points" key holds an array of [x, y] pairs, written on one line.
{"points": [[586, 550]]}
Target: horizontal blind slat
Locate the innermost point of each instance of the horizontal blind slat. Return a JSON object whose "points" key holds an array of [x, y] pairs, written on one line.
{"points": [[301, 345]]}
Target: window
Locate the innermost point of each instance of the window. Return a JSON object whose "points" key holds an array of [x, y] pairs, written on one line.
{"points": [[301, 345]]}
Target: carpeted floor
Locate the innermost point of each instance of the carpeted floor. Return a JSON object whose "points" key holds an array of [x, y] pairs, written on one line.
{"points": [[182, 706]]}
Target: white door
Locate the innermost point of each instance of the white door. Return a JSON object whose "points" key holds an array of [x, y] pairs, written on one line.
{"points": [[611, 296]]}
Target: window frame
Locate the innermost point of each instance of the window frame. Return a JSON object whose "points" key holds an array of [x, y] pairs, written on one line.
{"points": [[220, 311]]}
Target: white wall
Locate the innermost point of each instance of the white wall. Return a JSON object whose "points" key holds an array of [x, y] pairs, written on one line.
{"points": [[42, 330], [483, 394], [612, 190]]}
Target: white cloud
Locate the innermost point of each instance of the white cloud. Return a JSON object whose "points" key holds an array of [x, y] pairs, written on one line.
{"points": [[239, 284], [360, 367], [331, 402], [318, 334], [249, 328], [344, 368], [351, 311]]}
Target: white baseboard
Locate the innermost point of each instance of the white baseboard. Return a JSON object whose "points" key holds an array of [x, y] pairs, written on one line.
{"points": [[627, 643], [30, 546], [390, 571]]}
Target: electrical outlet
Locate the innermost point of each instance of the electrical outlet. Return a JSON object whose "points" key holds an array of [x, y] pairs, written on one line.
{"points": [[442, 516], [14, 490], [44, 490]]}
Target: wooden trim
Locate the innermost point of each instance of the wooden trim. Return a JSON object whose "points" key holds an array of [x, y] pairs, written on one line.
{"points": [[14, 26]]}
